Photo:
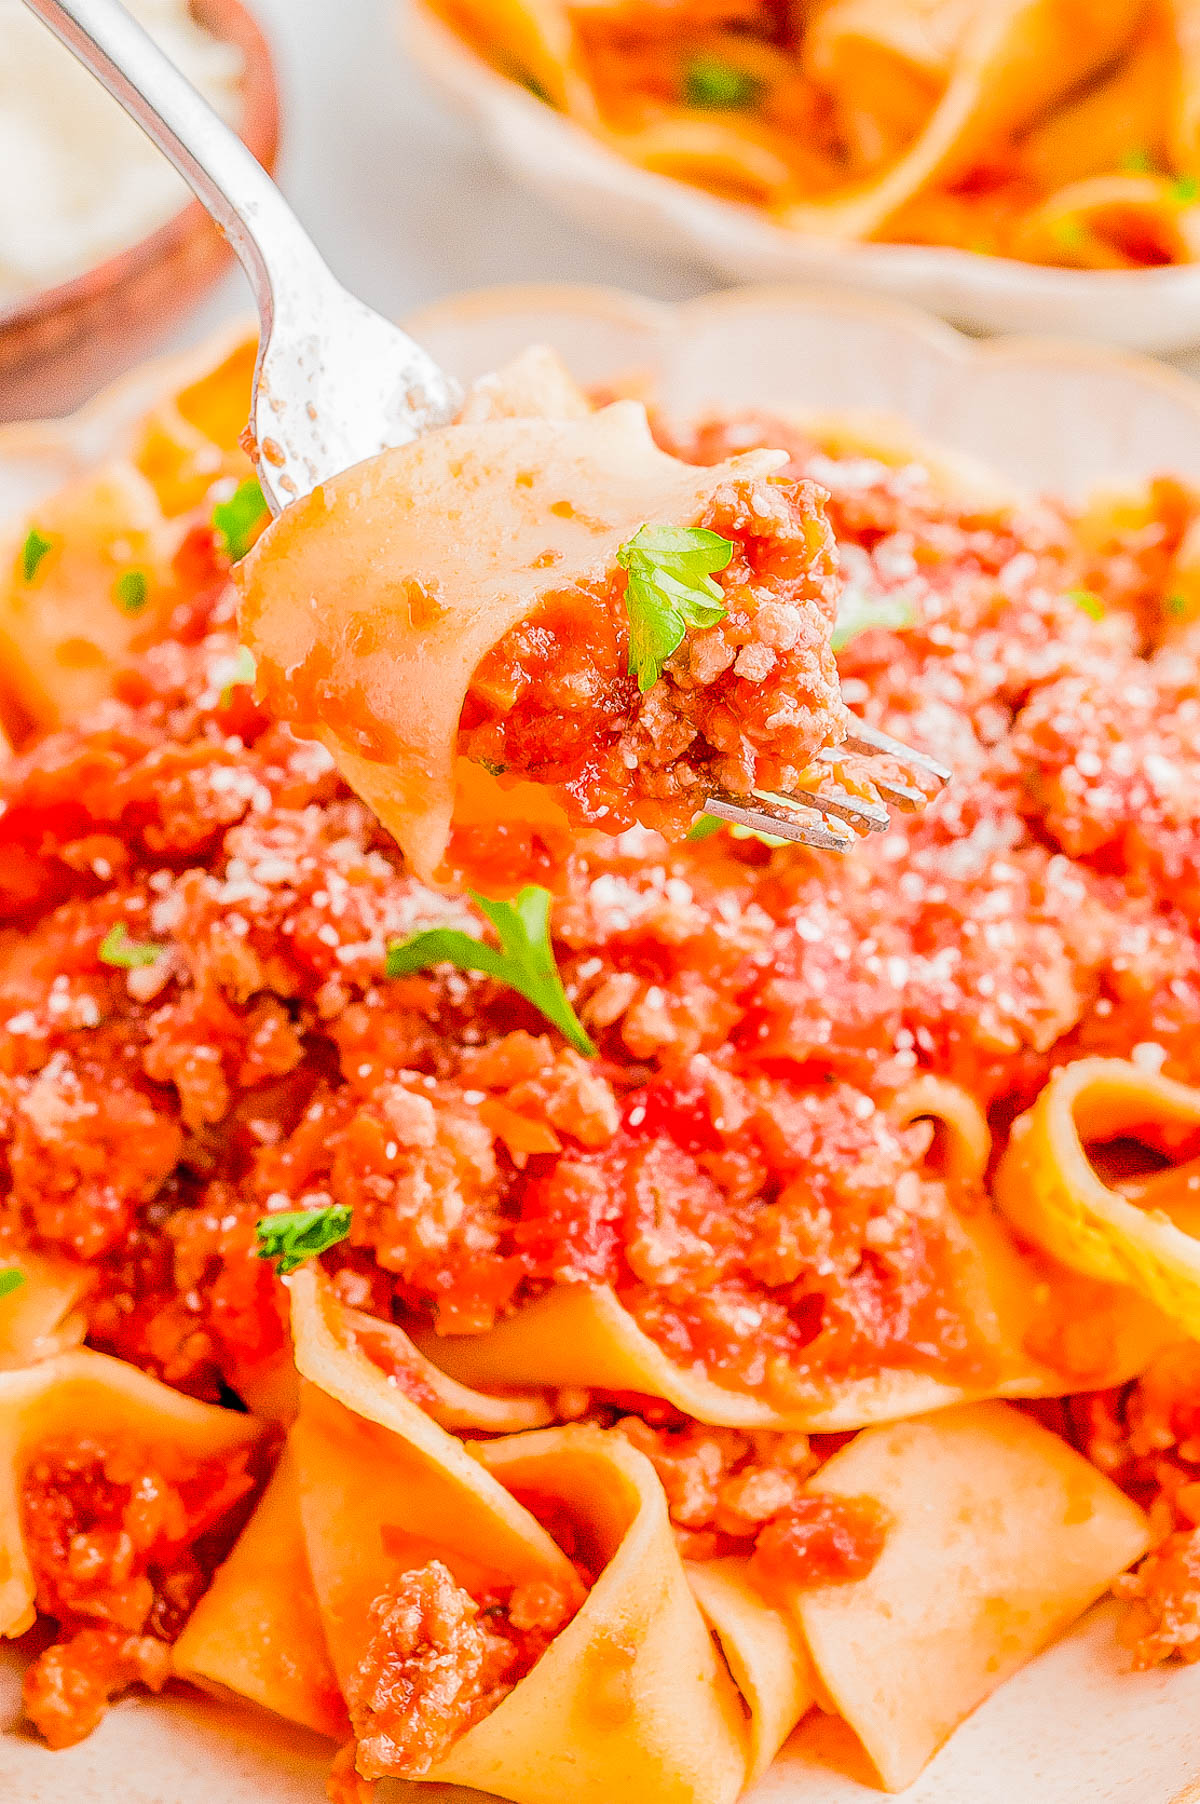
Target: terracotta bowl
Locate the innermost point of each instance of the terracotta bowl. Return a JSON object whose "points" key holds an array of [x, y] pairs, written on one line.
{"points": [[59, 346]]}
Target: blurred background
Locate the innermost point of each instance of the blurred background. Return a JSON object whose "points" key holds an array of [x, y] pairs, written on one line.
{"points": [[401, 195], [696, 141]]}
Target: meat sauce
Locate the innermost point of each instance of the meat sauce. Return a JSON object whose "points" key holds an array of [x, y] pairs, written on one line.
{"points": [[731, 1162]]}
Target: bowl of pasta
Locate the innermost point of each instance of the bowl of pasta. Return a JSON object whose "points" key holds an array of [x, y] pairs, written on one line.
{"points": [[1015, 165], [598, 1301]]}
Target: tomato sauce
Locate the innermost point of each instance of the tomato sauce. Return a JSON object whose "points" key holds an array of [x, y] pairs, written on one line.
{"points": [[732, 1161]]}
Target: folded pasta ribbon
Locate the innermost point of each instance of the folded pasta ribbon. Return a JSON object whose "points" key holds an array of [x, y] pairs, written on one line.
{"points": [[999, 1536], [85, 1396], [392, 1521], [370, 603], [1142, 1232], [41, 1316]]}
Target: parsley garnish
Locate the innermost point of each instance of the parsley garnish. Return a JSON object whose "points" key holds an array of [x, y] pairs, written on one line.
{"points": [[1091, 604], [524, 959], [301, 1234], [132, 590], [1177, 605], [33, 551], [708, 824], [239, 673], [1069, 232], [237, 520], [116, 948], [1185, 190], [858, 612], [1138, 161], [708, 82], [670, 588], [11, 1280]]}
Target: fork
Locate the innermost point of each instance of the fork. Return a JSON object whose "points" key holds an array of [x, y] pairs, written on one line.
{"points": [[336, 383]]}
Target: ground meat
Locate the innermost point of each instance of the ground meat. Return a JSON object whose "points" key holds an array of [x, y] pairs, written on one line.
{"points": [[744, 704], [1164, 1593], [439, 1661], [732, 1162], [68, 1688], [1146, 1437], [121, 1552]]}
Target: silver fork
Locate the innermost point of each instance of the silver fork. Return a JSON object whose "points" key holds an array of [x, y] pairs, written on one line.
{"points": [[335, 382]]}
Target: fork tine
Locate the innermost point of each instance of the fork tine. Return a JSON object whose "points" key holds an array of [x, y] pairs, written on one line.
{"points": [[784, 823], [870, 739], [856, 811], [904, 795]]}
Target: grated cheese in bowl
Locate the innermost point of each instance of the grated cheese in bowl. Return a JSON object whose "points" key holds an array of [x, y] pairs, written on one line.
{"points": [[81, 180]]}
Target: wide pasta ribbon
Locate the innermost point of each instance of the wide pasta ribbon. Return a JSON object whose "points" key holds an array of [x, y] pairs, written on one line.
{"points": [[41, 1317], [88, 1396], [1144, 1232], [999, 1536], [630, 1692], [1014, 59], [456, 538]]}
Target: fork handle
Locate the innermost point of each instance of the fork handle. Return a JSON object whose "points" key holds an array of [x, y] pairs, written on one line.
{"points": [[226, 178]]}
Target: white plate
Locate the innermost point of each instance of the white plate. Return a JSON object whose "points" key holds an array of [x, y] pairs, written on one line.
{"points": [[1144, 310], [1075, 1726]]}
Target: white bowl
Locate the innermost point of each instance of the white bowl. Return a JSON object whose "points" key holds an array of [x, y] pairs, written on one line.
{"points": [[1144, 310], [1075, 1726]]}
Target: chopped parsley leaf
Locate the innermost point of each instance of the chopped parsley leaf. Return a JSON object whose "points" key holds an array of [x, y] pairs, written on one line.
{"points": [[116, 948], [238, 673], [1176, 605], [10, 1279], [670, 588], [1138, 161], [1186, 190], [705, 827], [858, 612], [33, 551], [289, 1239], [237, 520], [524, 959], [709, 82], [132, 590], [1091, 604]]}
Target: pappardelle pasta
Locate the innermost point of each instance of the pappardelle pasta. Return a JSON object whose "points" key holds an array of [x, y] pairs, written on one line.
{"points": [[1044, 130], [550, 1342]]}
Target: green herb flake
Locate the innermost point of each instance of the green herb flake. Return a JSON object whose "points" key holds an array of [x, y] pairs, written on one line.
{"points": [[670, 588], [1070, 233], [116, 948], [238, 521], [132, 590], [1138, 161], [33, 551], [858, 612], [710, 83], [239, 673], [1186, 190], [10, 1280], [524, 959], [289, 1239], [1176, 606], [708, 824], [1091, 604]]}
